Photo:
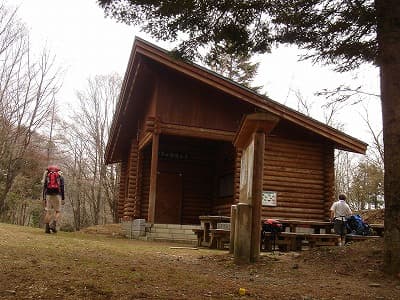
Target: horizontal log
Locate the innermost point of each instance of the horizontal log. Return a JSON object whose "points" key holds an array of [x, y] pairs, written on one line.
{"points": [[133, 155], [301, 205], [293, 150], [280, 143], [287, 215], [301, 196], [293, 163], [286, 203], [299, 210], [287, 179], [288, 154], [293, 171], [300, 180], [280, 188], [299, 200], [285, 184], [129, 205]]}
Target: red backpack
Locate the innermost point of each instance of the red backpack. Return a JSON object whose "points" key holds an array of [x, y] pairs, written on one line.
{"points": [[53, 179]]}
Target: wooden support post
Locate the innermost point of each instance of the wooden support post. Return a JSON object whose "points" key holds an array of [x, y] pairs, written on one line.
{"points": [[258, 170], [153, 177], [251, 139], [233, 230], [242, 244]]}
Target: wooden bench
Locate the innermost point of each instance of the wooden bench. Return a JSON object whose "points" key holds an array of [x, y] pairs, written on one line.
{"points": [[379, 229], [286, 241], [316, 240], [199, 234], [355, 238], [219, 238]]}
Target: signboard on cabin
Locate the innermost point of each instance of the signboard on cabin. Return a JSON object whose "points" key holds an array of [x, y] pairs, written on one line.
{"points": [[246, 174], [269, 198]]}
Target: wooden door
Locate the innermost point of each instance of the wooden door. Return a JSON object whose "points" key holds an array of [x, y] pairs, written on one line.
{"points": [[169, 198]]}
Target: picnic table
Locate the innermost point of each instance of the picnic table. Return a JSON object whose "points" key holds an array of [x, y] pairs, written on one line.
{"points": [[315, 225], [285, 241], [210, 235]]}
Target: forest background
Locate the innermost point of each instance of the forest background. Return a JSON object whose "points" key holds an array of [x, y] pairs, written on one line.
{"points": [[35, 131]]}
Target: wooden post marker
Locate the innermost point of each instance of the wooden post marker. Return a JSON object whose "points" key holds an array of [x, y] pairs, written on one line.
{"points": [[247, 228]]}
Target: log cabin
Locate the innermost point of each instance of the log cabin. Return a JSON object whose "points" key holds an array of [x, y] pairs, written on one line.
{"points": [[172, 134]]}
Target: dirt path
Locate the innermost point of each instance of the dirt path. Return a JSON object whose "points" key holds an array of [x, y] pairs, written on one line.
{"points": [[92, 266]]}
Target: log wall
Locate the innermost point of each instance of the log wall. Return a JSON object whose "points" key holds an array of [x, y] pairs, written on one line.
{"points": [[302, 174], [132, 181], [144, 182], [236, 178], [296, 171], [329, 188], [122, 189]]}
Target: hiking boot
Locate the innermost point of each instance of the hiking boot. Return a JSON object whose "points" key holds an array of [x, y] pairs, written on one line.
{"points": [[53, 227], [47, 228]]}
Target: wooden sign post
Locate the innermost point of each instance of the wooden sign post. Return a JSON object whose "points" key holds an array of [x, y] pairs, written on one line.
{"points": [[247, 213]]}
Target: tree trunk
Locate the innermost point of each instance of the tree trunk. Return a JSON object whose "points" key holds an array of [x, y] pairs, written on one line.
{"points": [[388, 19], [3, 195]]}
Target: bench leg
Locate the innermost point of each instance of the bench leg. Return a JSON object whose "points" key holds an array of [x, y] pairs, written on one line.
{"points": [[297, 244], [266, 244], [199, 239]]}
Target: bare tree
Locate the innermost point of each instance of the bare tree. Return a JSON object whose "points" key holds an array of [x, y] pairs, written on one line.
{"points": [[366, 189], [345, 93], [376, 149], [75, 166], [27, 86], [96, 181]]}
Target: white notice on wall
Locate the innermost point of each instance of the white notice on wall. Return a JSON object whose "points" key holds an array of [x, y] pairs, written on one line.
{"points": [[269, 198]]}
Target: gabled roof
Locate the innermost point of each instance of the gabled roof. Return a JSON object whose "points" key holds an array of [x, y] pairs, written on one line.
{"points": [[142, 48]]}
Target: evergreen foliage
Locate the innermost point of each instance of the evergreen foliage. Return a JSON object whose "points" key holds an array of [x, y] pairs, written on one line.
{"points": [[237, 68], [332, 30]]}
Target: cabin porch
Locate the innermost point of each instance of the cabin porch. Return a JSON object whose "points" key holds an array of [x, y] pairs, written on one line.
{"points": [[194, 177]]}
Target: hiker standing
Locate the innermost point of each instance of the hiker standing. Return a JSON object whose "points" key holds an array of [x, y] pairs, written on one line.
{"points": [[53, 197], [339, 211]]}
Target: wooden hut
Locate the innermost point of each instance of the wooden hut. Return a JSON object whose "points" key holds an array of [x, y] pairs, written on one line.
{"points": [[172, 134]]}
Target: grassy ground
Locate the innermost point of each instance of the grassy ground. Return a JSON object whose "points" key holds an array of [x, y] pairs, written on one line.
{"points": [[96, 266]]}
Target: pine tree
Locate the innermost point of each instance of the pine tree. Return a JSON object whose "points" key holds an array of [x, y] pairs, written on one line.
{"points": [[238, 68]]}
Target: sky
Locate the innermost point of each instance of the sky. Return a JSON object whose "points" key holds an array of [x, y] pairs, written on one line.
{"points": [[86, 44]]}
